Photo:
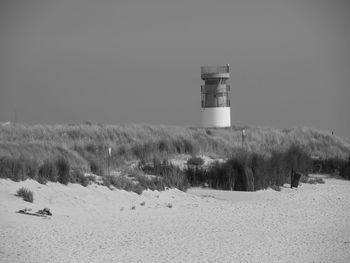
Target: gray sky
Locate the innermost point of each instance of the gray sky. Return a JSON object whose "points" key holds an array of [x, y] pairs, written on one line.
{"points": [[139, 61]]}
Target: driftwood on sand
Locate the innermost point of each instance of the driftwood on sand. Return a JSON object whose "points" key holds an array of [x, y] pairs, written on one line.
{"points": [[42, 213]]}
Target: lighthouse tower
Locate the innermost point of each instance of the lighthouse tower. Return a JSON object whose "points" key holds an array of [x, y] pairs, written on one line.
{"points": [[215, 101]]}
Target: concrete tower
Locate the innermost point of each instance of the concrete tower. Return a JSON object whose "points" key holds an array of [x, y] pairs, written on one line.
{"points": [[215, 101]]}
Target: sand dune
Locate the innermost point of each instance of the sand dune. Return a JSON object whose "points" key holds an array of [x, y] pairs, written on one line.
{"points": [[94, 224]]}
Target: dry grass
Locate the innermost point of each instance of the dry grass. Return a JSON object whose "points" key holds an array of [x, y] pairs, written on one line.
{"points": [[26, 194], [85, 145], [82, 142]]}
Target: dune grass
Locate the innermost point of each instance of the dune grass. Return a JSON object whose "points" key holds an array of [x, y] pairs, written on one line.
{"points": [[84, 143], [249, 171], [25, 149], [26, 194]]}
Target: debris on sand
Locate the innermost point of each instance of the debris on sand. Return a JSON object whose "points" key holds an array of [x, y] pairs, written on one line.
{"points": [[43, 213]]}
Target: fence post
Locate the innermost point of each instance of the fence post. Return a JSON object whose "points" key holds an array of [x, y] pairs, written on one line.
{"points": [[243, 137], [109, 159]]}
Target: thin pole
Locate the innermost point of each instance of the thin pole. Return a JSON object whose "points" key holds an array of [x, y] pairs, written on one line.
{"points": [[109, 159], [243, 136], [108, 166]]}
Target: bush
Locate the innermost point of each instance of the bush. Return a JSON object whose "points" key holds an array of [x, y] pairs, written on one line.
{"points": [[152, 184], [63, 169], [47, 172], [18, 169], [345, 172], [31, 169], [259, 166], [167, 174], [196, 176], [298, 160], [95, 167], [119, 182], [89, 179], [26, 194], [106, 181], [12, 168], [123, 183], [333, 166], [173, 177], [276, 188], [246, 171], [138, 189], [235, 174], [77, 176], [315, 181]]}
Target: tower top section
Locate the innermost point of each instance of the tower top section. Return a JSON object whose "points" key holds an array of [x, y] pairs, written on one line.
{"points": [[215, 72]]}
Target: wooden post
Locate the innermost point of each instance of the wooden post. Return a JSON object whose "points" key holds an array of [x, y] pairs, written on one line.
{"points": [[243, 136], [109, 157]]}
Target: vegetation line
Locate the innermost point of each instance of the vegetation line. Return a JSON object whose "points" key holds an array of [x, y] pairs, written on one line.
{"points": [[64, 153]]}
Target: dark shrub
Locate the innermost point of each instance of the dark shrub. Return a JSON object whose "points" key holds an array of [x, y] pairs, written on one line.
{"points": [[298, 159], [315, 181], [175, 178], [63, 169], [233, 175], [151, 183], [137, 189], [41, 179], [95, 167], [333, 166], [87, 180], [47, 172], [106, 181], [209, 132], [26, 194], [122, 151], [196, 176], [278, 168], [259, 167], [91, 148], [218, 177], [345, 172], [163, 146], [31, 169], [6, 167], [276, 188], [119, 182], [84, 181], [12, 168], [77, 177], [167, 174], [250, 171]]}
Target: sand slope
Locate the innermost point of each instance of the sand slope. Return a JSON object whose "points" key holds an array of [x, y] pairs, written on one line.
{"points": [[94, 224]]}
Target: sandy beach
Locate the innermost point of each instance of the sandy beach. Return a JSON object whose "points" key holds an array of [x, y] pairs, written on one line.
{"points": [[95, 224]]}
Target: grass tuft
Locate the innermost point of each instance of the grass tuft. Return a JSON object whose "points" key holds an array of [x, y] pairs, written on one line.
{"points": [[26, 194]]}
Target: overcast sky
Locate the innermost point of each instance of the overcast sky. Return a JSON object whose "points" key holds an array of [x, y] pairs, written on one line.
{"points": [[128, 61]]}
